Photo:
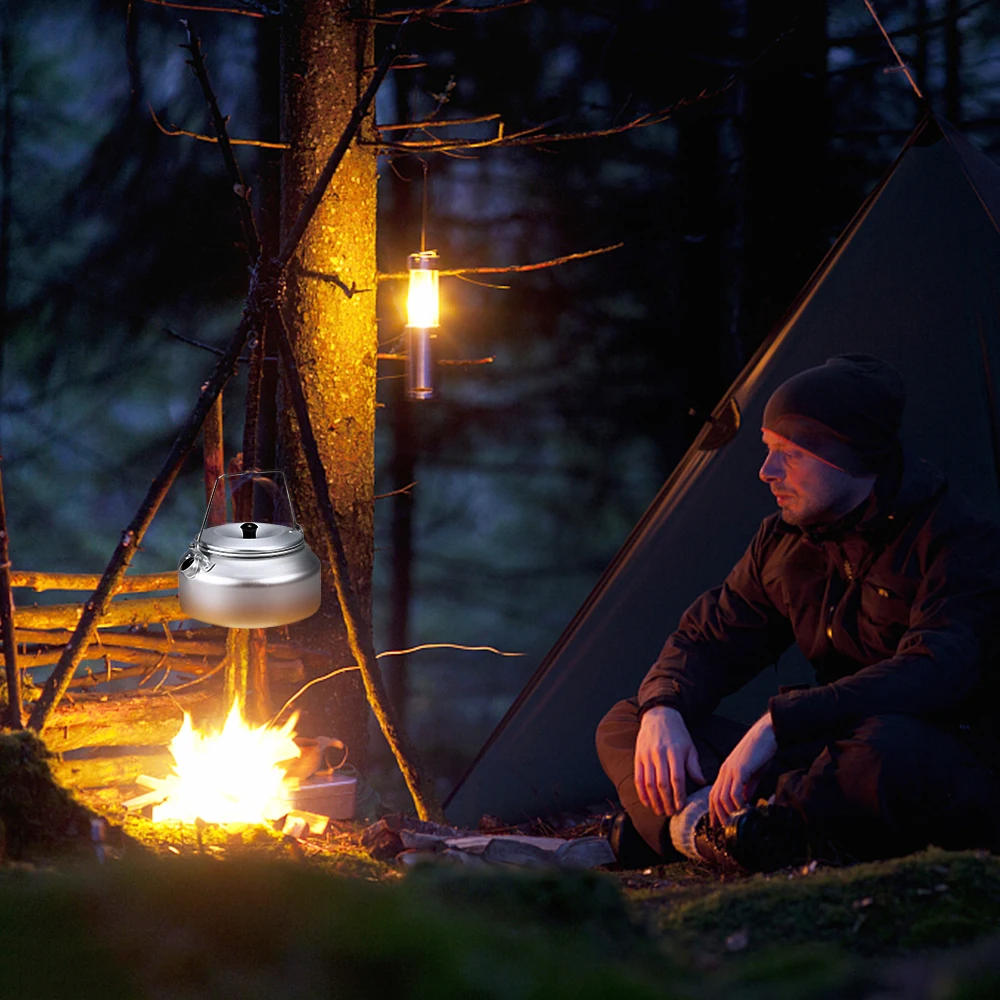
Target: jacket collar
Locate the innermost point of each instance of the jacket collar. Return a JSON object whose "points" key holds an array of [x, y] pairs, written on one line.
{"points": [[910, 484]]}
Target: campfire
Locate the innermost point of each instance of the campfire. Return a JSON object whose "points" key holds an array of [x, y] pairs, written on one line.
{"points": [[236, 775]]}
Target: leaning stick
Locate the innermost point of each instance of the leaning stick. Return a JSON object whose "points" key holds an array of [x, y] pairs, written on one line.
{"points": [[96, 608], [261, 286], [358, 638], [13, 717]]}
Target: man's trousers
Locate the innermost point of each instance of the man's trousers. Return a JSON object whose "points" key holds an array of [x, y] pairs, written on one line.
{"points": [[887, 786]]}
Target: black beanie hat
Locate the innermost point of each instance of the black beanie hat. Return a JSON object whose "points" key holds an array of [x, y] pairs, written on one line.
{"points": [[847, 412]]}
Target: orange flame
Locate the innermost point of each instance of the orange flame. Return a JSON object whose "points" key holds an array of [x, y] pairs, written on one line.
{"points": [[232, 776]]}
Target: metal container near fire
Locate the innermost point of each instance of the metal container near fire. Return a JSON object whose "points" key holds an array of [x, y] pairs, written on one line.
{"points": [[249, 566]]}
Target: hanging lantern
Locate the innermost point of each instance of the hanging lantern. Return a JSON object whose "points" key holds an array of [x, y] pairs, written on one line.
{"points": [[422, 316]]}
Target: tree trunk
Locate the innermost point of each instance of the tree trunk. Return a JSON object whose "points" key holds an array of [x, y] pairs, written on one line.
{"points": [[325, 49]]}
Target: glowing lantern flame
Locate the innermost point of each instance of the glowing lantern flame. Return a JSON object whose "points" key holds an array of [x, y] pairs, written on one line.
{"points": [[422, 298], [228, 777]]}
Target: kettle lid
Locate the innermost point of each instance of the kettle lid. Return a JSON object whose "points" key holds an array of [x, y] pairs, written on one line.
{"points": [[251, 538]]}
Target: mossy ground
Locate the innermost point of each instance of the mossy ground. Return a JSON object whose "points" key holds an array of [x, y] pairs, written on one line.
{"points": [[178, 910]]}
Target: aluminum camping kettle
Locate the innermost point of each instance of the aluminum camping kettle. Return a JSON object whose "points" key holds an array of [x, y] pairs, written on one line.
{"points": [[249, 573]]}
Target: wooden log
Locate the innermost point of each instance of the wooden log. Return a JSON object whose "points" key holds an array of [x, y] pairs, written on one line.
{"points": [[138, 611], [109, 772], [134, 584], [195, 642], [133, 719]]}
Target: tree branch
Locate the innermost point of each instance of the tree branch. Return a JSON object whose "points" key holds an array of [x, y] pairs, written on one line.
{"points": [[259, 13], [173, 130], [242, 192], [510, 268]]}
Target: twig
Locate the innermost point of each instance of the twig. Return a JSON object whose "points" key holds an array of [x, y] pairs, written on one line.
{"points": [[537, 136], [895, 51], [447, 645], [173, 130], [511, 268], [407, 489], [211, 10], [392, 16], [332, 279], [388, 652], [242, 192], [438, 123]]}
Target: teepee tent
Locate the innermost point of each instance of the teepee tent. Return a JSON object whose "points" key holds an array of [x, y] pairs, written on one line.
{"points": [[914, 280]]}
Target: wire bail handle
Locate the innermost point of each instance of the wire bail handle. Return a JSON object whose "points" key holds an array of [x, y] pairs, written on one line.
{"points": [[275, 474]]}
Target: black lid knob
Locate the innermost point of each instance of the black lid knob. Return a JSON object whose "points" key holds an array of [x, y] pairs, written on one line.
{"points": [[249, 529]]}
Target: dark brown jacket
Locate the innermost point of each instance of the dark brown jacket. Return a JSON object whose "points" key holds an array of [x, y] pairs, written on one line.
{"points": [[896, 606]]}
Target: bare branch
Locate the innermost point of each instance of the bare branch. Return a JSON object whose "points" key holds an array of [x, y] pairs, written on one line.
{"points": [[393, 16], [510, 268], [333, 279], [211, 10], [440, 123], [174, 131], [242, 192], [407, 489]]}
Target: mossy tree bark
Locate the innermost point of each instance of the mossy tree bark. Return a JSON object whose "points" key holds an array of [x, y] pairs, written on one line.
{"points": [[325, 49]]}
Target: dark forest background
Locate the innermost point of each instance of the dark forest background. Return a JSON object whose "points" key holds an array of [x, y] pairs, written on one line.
{"points": [[115, 238]]}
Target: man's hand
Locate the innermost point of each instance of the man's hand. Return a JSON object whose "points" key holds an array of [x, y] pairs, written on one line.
{"points": [[664, 756], [740, 771]]}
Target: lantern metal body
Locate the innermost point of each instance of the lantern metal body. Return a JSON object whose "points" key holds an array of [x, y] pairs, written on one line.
{"points": [[422, 317], [249, 574]]}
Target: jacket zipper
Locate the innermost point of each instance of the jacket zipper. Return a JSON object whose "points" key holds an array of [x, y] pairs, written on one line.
{"points": [[849, 573]]}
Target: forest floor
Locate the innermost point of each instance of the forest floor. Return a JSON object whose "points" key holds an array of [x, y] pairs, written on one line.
{"points": [[183, 911]]}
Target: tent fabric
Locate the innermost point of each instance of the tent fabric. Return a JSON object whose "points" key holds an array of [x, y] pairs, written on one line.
{"points": [[914, 280]]}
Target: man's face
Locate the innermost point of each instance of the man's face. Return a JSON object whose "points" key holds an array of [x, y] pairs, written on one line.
{"points": [[808, 490]]}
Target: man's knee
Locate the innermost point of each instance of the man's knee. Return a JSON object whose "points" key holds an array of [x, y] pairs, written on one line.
{"points": [[617, 731]]}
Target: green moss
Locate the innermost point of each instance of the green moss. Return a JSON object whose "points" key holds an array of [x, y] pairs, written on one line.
{"points": [[36, 813], [935, 898]]}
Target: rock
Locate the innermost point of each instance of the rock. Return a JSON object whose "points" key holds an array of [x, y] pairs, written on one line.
{"points": [[585, 852]]}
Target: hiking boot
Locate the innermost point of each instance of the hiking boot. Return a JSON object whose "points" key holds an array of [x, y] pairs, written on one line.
{"points": [[631, 851], [711, 845], [761, 838]]}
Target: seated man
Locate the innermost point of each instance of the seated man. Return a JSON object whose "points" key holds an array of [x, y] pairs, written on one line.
{"points": [[891, 588]]}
